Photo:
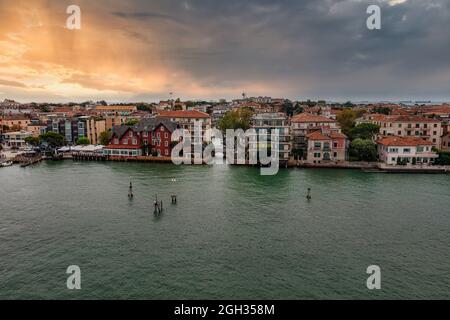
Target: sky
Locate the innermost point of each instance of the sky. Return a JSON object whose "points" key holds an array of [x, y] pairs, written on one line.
{"points": [[141, 50]]}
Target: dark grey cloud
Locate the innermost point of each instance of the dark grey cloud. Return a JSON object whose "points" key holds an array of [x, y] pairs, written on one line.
{"points": [[297, 48], [144, 15], [312, 48]]}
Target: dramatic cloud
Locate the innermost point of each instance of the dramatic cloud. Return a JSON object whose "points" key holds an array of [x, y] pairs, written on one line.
{"points": [[142, 50]]}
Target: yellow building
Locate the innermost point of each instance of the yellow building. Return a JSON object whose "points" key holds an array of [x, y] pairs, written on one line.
{"points": [[94, 127]]}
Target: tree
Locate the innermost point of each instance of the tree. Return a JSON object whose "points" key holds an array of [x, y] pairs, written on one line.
{"points": [[34, 141], [132, 122], [143, 107], [83, 141], [444, 158], [346, 120], [288, 108], [236, 119], [105, 138], [364, 131], [44, 108], [363, 150], [348, 104], [382, 110], [52, 138], [15, 127], [298, 108]]}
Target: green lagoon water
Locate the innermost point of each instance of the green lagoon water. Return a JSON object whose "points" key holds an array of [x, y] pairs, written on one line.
{"points": [[233, 234]]}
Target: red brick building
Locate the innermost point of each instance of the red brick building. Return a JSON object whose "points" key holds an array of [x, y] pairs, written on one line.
{"points": [[151, 137]]}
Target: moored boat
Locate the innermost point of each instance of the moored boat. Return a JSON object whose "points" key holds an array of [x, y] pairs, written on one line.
{"points": [[6, 164]]}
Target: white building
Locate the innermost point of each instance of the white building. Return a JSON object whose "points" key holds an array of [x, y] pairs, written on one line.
{"points": [[267, 123], [16, 139], [405, 150]]}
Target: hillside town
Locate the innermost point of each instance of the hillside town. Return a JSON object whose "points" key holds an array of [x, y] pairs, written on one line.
{"points": [[312, 133]]}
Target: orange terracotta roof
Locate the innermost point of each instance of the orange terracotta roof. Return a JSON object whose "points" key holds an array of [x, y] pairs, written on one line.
{"points": [[377, 117], [308, 117], [337, 135], [404, 141], [317, 135], [444, 109], [403, 118], [63, 109], [183, 114], [399, 118]]}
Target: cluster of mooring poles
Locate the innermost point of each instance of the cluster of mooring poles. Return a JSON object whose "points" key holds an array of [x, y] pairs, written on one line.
{"points": [[158, 205]]}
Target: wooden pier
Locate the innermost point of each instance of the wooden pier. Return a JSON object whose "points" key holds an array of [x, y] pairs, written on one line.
{"points": [[27, 161]]}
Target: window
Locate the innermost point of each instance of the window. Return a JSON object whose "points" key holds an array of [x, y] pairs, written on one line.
{"points": [[166, 143], [125, 141], [335, 144], [434, 133], [419, 149], [131, 133], [167, 152], [335, 154], [317, 144], [116, 141], [145, 134], [134, 141], [399, 133], [417, 125], [393, 159], [166, 135], [406, 150]]}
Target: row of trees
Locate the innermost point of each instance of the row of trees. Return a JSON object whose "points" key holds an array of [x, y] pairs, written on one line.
{"points": [[55, 140], [236, 119]]}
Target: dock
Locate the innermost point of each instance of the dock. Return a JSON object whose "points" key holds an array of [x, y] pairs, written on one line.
{"points": [[27, 161]]}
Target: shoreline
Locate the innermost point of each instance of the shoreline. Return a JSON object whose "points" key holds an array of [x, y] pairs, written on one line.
{"points": [[366, 167]]}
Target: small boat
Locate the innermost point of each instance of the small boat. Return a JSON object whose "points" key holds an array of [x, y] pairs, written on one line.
{"points": [[6, 164]]}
